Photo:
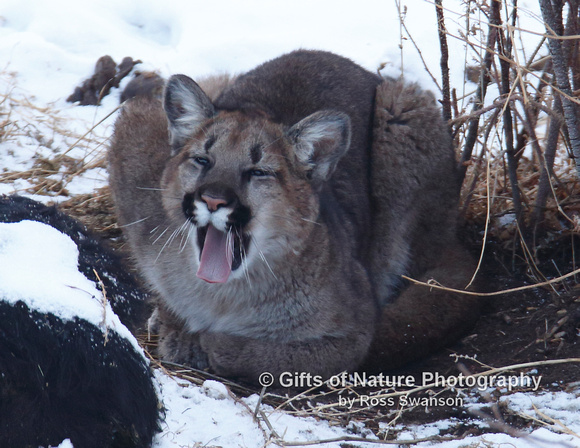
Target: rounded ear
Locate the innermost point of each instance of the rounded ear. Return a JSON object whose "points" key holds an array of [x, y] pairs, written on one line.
{"points": [[187, 107], [320, 141]]}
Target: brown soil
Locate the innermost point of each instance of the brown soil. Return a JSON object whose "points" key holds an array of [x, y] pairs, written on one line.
{"points": [[530, 326]]}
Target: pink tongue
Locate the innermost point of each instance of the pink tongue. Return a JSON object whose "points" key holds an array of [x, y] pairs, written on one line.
{"points": [[215, 265]]}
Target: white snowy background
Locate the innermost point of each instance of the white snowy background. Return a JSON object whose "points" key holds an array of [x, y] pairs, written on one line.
{"points": [[49, 47]]}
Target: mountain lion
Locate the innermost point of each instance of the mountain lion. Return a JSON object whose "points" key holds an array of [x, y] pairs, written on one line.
{"points": [[274, 214]]}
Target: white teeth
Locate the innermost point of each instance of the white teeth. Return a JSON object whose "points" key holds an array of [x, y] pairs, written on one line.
{"points": [[218, 219]]}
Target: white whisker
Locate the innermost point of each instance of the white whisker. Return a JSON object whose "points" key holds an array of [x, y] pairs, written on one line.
{"points": [[309, 220], [136, 222], [160, 235], [170, 239], [229, 240], [271, 143], [257, 140], [184, 241], [151, 188], [263, 257], [244, 261]]}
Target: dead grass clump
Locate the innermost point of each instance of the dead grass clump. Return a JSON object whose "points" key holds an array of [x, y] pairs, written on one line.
{"points": [[96, 211], [561, 212], [42, 155]]}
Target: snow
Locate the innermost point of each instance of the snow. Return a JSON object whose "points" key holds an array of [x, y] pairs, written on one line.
{"points": [[39, 267], [48, 48], [222, 420]]}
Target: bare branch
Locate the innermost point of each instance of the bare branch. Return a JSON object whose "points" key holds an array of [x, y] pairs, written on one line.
{"points": [[553, 23], [446, 102], [544, 187], [473, 125], [504, 47]]}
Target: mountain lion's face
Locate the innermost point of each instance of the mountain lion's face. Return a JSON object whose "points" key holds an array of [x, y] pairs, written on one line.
{"points": [[244, 189], [243, 194]]}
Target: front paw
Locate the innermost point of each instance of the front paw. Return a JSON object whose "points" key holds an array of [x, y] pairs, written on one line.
{"points": [[182, 348], [225, 353], [176, 344]]}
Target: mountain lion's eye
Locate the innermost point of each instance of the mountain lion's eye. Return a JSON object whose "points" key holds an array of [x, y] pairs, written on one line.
{"points": [[201, 161], [259, 173]]}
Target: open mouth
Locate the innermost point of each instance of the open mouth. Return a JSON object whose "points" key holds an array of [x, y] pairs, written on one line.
{"points": [[221, 252]]}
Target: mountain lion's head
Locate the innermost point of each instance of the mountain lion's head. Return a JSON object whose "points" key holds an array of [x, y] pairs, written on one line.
{"points": [[243, 187]]}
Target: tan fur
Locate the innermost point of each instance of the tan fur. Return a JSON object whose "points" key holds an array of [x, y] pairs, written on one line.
{"points": [[326, 243]]}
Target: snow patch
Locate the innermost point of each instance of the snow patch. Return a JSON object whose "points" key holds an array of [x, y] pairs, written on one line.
{"points": [[40, 268]]}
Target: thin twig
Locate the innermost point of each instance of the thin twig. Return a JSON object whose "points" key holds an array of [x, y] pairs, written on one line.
{"points": [[377, 441], [473, 126], [401, 22], [526, 71], [104, 302], [419, 52], [563, 428], [504, 46], [490, 294], [487, 217], [82, 137]]}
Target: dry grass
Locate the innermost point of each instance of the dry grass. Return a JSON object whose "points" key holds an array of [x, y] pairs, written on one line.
{"points": [[562, 210], [46, 154]]}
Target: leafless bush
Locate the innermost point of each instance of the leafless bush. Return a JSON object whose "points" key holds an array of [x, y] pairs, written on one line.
{"points": [[520, 148]]}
